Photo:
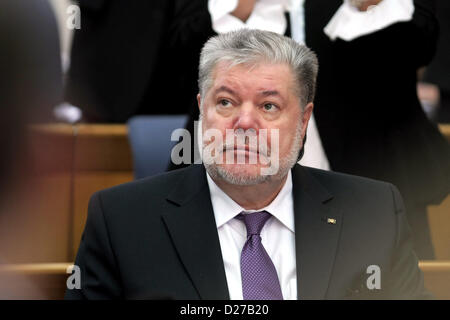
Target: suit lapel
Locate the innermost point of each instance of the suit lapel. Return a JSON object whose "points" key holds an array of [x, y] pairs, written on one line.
{"points": [[316, 234], [193, 229]]}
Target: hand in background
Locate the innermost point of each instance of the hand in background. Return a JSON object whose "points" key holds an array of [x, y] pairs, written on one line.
{"points": [[244, 9], [363, 5]]}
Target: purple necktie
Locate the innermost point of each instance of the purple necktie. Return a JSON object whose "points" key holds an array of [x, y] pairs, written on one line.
{"points": [[259, 276]]}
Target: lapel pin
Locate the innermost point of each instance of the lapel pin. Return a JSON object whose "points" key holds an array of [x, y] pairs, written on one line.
{"points": [[331, 221]]}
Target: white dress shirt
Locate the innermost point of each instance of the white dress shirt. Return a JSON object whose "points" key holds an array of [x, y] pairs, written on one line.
{"points": [[278, 238]]}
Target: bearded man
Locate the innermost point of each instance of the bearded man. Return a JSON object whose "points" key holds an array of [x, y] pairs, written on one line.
{"points": [[250, 223]]}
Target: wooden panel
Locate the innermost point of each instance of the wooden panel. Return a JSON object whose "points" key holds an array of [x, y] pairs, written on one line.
{"points": [[35, 222], [48, 281], [52, 148], [445, 129], [86, 183], [102, 147], [91, 157], [36, 268], [437, 277], [33, 281], [439, 220], [37, 226], [102, 160], [60, 129]]}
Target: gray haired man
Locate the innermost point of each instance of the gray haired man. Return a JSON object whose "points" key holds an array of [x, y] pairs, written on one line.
{"points": [[230, 229]]}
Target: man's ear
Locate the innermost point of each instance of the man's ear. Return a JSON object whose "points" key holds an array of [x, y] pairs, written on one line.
{"points": [[306, 115], [199, 99]]}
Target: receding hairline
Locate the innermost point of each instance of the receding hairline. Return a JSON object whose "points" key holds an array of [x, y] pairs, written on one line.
{"points": [[250, 65], [249, 45]]}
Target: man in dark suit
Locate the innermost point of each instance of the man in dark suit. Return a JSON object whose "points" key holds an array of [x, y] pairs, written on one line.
{"points": [[242, 229], [368, 115]]}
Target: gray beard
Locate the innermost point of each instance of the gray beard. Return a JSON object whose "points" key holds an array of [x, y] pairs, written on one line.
{"points": [[216, 172]]}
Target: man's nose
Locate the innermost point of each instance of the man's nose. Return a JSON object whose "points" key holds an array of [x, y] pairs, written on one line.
{"points": [[247, 117]]}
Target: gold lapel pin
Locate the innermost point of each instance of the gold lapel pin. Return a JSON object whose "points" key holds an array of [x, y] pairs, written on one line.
{"points": [[331, 221]]}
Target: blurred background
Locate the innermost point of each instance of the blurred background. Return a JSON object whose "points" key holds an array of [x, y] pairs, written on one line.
{"points": [[90, 94]]}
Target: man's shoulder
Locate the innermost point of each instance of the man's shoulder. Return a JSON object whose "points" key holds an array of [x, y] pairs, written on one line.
{"points": [[155, 187], [358, 190], [333, 177]]}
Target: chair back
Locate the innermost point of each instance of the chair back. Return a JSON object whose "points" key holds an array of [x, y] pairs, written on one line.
{"points": [[150, 142]]}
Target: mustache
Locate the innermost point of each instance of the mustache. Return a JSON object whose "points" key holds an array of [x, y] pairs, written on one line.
{"points": [[247, 145], [251, 140], [244, 148]]}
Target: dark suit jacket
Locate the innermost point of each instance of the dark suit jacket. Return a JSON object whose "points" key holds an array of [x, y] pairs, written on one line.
{"points": [[368, 115], [157, 238]]}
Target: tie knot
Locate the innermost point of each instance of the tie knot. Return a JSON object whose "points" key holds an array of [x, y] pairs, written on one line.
{"points": [[254, 222]]}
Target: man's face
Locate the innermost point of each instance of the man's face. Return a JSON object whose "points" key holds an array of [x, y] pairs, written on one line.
{"points": [[250, 99]]}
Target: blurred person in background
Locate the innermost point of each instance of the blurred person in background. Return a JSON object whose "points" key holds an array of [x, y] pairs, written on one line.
{"points": [[435, 88], [30, 48], [30, 87], [126, 56], [367, 111]]}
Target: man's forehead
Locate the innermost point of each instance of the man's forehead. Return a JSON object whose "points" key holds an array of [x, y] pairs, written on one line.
{"points": [[259, 91], [226, 67], [270, 76]]}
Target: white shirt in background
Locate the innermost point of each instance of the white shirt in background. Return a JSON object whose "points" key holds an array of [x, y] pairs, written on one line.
{"points": [[349, 23]]}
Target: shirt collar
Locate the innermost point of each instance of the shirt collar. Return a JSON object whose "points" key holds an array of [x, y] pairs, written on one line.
{"points": [[226, 209]]}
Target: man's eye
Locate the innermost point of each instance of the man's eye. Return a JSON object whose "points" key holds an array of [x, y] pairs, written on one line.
{"points": [[224, 103], [270, 107]]}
